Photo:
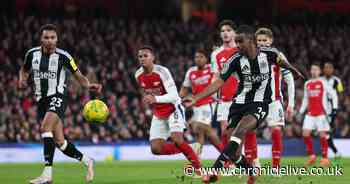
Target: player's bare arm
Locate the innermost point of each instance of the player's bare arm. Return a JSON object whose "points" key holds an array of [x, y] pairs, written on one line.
{"points": [[285, 64], [23, 78], [84, 81], [184, 91], [214, 87]]}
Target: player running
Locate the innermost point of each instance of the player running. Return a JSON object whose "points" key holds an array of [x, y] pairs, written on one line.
{"points": [[159, 91], [316, 91], [252, 65], [219, 58], [197, 79], [336, 84], [49, 66], [275, 120]]}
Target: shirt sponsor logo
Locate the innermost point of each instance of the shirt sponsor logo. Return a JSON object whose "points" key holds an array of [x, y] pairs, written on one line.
{"points": [[44, 75], [256, 78]]}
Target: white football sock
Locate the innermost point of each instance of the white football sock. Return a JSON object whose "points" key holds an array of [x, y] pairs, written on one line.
{"points": [[47, 172]]}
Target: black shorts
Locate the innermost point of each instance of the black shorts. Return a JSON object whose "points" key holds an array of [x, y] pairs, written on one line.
{"points": [[56, 103], [237, 111]]}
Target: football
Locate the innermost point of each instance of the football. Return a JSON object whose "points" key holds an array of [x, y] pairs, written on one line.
{"points": [[95, 111]]}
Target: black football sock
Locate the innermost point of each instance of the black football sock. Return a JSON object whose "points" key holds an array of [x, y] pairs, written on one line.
{"points": [[70, 150], [229, 150], [331, 144], [49, 148]]}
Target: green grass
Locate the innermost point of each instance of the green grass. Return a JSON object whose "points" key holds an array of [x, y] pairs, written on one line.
{"points": [[153, 172]]}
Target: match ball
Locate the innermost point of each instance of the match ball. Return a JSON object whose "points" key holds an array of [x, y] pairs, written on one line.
{"points": [[95, 111]]}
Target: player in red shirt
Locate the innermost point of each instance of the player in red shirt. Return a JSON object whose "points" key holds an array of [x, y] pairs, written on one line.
{"points": [[159, 91], [218, 58], [197, 79], [316, 94]]}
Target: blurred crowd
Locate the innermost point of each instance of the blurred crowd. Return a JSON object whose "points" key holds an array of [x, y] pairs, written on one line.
{"points": [[104, 50]]}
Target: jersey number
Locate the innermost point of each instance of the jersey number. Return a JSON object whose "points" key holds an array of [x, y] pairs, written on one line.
{"points": [[261, 114], [56, 102]]}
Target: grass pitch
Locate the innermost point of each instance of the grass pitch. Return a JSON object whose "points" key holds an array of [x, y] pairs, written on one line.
{"points": [[155, 172]]}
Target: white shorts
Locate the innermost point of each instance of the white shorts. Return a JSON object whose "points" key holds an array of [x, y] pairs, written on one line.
{"points": [[276, 114], [203, 114], [161, 128], [223, 111], [318, 123]]}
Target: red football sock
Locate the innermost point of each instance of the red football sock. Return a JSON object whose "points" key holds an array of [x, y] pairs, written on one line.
{"points": [[190, 155], [276, 147], [250, 146], [309, 146], [324, 147], [169, 149]]}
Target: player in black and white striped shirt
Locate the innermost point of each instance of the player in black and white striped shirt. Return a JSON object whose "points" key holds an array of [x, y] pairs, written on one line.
{"points": [[252, 66], [49, 67], [335, 83]]}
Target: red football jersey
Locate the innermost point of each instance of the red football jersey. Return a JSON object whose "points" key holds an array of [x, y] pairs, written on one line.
{"points": [[315, 94], [218, 58], [156, 83], [198, 80]]}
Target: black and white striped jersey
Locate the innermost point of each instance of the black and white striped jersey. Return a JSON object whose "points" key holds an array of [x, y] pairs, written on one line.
{"points": [[254, 75], [49, 72]]}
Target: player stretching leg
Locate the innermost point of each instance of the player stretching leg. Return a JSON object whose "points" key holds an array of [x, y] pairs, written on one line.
{"points": [[252, 65], [159, 91], [316, 91], [49, 66], [218, 59], [336, 84], [275, 119], [197, 79]]}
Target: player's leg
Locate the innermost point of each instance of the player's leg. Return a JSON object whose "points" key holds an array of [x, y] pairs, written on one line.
{"points": [[47, 126], [308, 126], [176, 124], [213, 138], [222, 117], [159, 133], [330, 139], [70, 150], [250, 146], [323, 128], [275, 121], [247, 117]]}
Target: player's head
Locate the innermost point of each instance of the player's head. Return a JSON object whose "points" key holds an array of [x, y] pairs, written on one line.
{"points": [[264, 37], [200, 58], [227, 31], [48, 36], [328, 69], [315, 70], [145, 55], [245, 38]]}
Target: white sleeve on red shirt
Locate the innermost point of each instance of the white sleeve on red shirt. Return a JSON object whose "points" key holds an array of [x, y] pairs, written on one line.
{"points": [[305, 102], [289, 79], [332, 94], [187, 82], [171, 96], [214, 64]]}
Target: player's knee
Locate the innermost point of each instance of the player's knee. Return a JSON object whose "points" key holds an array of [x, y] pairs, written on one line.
{"points": [[156, 149], [177, 138], [306, 134]]}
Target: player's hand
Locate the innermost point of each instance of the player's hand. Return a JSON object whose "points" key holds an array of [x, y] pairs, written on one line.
{"points": [[95, 88], [189, 101], [289, 113], [22, 84], [149, 99]]}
